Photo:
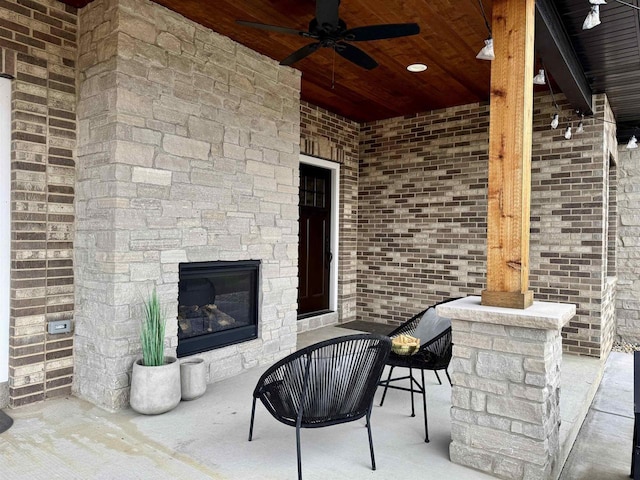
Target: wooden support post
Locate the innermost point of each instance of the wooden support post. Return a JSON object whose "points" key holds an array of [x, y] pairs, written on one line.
{"points": [[511, 116]]}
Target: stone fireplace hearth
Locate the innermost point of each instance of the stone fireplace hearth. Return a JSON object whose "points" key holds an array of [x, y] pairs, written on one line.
{"points": [[188, 151]]}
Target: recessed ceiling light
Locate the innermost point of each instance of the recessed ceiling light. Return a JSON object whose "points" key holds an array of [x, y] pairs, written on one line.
{"points": [[417, 67]]}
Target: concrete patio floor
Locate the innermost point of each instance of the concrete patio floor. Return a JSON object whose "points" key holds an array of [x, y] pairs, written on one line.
{"points": [[602, 450], [68, 438]]}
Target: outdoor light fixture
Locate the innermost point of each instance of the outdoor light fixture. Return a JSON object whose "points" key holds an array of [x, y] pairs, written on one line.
{"points": [[417, 67], [487, 52], [593, 18], [633, 143], [567, 133], [555, 121], [540, 78]]}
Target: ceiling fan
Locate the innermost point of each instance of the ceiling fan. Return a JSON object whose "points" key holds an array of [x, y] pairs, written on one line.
{"points": [[330, 31]]}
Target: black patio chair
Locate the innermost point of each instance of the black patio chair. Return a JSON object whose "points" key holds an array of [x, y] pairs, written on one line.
{"points": [[324, 384], [434, 354]]}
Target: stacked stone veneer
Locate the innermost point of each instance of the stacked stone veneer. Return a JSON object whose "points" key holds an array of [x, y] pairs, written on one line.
{"points": [[38, 48], [188, 151], [628, 300], [422, 214], [326, 135], [506, 387]]}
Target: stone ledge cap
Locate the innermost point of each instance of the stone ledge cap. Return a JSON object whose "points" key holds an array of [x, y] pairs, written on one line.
{"points": [[540, 315]]}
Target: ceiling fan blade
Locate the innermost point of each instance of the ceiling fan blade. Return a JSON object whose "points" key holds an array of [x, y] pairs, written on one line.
{"points": [[355, 55], [327, 13], [380, 32], [300, 54], [273, 28]]}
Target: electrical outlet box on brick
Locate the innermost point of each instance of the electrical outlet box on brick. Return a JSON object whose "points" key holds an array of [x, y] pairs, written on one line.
{"points": [[59, 326]]}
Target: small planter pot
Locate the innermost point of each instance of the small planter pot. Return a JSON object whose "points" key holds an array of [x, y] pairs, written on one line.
{"points": [[193, 378], [155, 390]]}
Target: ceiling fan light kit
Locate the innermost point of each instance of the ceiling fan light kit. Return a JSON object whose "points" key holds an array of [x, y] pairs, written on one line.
{"points": [[330, 31]]}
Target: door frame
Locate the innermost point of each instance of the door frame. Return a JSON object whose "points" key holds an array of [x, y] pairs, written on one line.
{"points": [[334, 168]]}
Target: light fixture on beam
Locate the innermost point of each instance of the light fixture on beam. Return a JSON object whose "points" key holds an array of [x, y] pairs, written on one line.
{"points": [[540, 78], [633, 143]]}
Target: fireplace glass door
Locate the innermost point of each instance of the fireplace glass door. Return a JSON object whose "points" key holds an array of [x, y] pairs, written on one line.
{"points": [[217, 305]]}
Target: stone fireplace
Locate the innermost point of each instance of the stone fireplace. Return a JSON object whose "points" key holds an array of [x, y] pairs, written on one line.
{"points": [[188, 153], [217, 305]]}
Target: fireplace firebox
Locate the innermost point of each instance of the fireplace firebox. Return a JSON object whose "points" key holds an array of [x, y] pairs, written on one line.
{"points": [[217, 305]]}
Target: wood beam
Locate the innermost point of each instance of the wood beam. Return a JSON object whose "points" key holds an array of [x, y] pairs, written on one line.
{"points": [[511, 117]]}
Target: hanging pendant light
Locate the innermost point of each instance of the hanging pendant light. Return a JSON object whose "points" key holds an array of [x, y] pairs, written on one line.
{"points": [[593, 18], [567, 133], [487, 52], [540, 78], [633, 143], [555, 121]]}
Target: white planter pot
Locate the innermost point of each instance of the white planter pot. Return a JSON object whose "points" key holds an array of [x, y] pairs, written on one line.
{"points": [[193, 378], [155, 390]]}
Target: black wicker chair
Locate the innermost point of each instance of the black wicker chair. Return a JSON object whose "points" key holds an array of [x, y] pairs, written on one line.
{"points": [[324, 384], [434, 354]]}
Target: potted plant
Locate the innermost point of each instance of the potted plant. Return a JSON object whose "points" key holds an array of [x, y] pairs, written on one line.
{"points": [[155, 380]]}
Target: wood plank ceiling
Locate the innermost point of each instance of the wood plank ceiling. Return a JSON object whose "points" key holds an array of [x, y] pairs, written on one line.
{"points": [[452, 32], [448, 43]]}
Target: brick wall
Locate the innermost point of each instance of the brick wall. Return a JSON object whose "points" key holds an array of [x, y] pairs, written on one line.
{"points": [[189, 152], [329, 136], [38, 42], [422, 211], [569, 219], [422, 216]]}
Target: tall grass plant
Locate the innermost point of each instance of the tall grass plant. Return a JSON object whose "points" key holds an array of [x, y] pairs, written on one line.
{"points": [[152, 332]]}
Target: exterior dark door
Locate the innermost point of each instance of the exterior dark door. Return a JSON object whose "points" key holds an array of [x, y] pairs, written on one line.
{"points": [[315, 240]]}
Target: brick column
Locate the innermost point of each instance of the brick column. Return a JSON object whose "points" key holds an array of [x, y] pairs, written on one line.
{"points": [[506, 386]]}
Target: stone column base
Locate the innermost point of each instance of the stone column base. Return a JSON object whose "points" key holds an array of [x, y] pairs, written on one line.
{"points": [[506, 386]]}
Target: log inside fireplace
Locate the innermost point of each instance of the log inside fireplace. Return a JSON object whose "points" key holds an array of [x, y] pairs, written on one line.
{"points": [[217, 305]]}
